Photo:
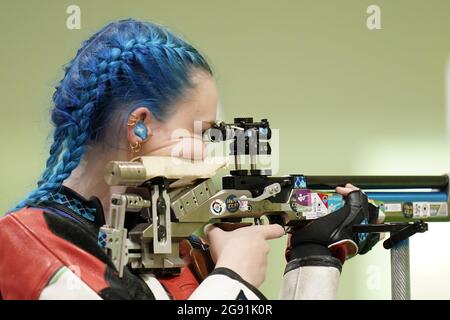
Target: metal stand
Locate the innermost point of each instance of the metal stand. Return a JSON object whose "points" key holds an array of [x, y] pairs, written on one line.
{"points": [[398, 243], [400, 275]]}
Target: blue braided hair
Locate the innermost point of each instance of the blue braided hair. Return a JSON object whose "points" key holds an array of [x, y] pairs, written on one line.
{"points": [[124, 64]]}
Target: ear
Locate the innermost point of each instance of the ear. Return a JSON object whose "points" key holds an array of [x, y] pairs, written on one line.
{"points": [[143, 115]]}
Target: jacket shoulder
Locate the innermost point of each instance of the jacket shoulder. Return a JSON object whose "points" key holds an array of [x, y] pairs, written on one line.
{"points": [[32, 250]]}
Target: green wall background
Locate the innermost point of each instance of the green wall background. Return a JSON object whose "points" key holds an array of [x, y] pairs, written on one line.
{"points": [[347, 100]]}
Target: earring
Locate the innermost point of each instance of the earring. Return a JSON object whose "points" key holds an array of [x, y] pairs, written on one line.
{"points": [[140, 130], [132, 120], [136, 147]]}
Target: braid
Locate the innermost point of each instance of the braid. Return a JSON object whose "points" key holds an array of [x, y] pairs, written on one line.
{"points": [[126, 61], [53, 158], [65, 155]]}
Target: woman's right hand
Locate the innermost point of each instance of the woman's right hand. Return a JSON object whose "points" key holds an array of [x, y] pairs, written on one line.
{"points": [[243, 250]]}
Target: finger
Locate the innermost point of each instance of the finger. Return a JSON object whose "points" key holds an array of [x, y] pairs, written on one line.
{"points": [[271, 231], [208, 228], [350, 186], [204, 240], [343, 191], [347, 189], [211, 231]]}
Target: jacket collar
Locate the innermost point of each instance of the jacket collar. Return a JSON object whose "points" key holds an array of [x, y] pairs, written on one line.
{"points": [[89, 210]]}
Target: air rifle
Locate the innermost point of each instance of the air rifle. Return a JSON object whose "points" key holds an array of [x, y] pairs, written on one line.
{"points": [[169, 199]]}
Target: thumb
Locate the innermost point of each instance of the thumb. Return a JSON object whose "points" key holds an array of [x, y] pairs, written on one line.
{"points": [[271, 231]]}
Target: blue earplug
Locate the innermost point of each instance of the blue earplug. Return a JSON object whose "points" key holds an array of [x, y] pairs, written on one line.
{"points": [[140, 130]]}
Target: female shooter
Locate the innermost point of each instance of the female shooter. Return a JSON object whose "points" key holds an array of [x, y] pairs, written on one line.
{"points": [[129, 87]]}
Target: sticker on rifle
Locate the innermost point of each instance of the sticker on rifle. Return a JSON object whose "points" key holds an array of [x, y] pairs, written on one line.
{"points": [[300, 201], [217, 207], [421, 209], [319, 209], [438, 209], [324, 198], [318, 205], [299, 182], [232, 203], [244, 206], [303, 197], [430, 209], [408, 210], [392, 207], [293, 204], [335, 202]]}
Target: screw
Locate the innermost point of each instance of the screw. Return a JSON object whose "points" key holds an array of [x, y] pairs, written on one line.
{"points": [[161, 232]]}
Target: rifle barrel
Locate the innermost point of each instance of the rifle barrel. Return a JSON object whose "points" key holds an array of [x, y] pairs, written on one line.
{"points": [[378, 182]]}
